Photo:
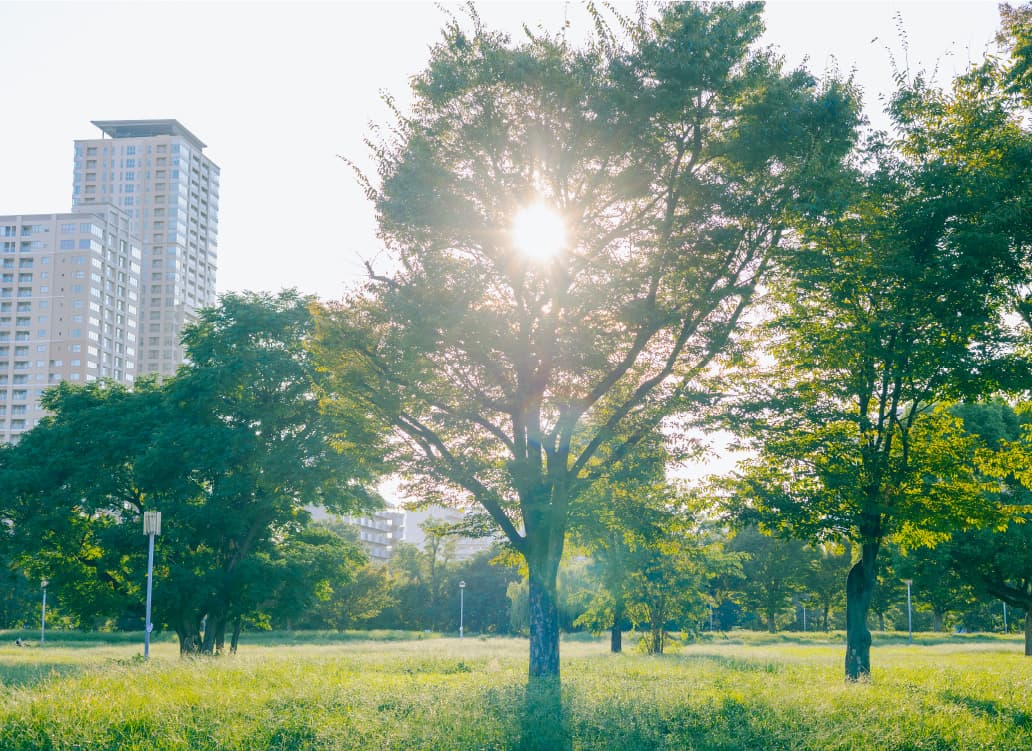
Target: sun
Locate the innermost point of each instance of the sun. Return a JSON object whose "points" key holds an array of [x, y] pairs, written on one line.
{"points": [[538, 231]]}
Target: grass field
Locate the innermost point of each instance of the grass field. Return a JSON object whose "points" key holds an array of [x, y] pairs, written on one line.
{"points": [[299, 693]]}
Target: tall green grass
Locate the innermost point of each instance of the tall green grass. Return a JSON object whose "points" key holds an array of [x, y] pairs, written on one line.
{"points": [[744, 693]]}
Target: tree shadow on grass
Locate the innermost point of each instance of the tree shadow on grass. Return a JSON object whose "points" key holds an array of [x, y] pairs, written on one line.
{"points": [[989, 708], [24, 675], [543, 724]]}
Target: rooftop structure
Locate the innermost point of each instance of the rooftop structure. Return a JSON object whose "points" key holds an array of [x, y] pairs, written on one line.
{"points": [[146, 129]]}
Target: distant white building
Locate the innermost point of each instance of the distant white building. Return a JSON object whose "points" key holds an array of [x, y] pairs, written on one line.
{"points": [[69, 287], [381, 531]]}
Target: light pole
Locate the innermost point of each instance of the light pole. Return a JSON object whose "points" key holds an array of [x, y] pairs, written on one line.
{"points": [[462, 603], [910, 626], [43, 618], [151, 528], [1005, 618]]}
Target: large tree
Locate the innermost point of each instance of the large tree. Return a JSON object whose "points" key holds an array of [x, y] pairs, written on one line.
{"points": [[662, 163], [231, 451], [251, 389]]}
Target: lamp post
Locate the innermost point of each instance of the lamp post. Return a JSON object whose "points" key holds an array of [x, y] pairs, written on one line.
{"points": [[43, 617], [910, 626], [151, 528], [1005, 618], [462, 603]]}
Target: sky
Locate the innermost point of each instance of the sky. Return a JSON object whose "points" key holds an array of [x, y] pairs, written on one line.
{"points": [[280, 91]]}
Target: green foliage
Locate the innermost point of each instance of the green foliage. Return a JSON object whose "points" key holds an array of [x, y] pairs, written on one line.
{"points": [[891, 304], [673, 154], [18, 597], [231, 451], [823, 581], [939, 586], [773, 571]]}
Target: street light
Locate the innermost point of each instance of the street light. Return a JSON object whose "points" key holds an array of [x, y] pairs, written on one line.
{"points": [[43, 618], [910, 626], [151, 528], [462, 591]]}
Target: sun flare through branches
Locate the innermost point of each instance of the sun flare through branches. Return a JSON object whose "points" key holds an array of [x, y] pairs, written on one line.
{"points": [[538, 232]]}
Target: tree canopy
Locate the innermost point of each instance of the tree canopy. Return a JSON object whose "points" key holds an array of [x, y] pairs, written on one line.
{"points": [[231, 450], [671, 155], [887, 307]]}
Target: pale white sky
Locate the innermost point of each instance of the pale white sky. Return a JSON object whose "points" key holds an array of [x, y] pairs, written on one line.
{"points": [[277, 90]]}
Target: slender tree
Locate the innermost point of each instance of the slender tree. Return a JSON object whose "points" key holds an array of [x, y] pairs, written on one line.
{"points": [[773, 571], [870, 334]]}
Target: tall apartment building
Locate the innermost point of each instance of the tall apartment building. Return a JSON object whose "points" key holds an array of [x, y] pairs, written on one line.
{"points": [[69, 287], [380, 532], [155, 171]]}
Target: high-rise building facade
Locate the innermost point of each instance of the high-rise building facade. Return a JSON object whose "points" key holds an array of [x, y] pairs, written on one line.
{"points": [[69, 297], [156, 171]]}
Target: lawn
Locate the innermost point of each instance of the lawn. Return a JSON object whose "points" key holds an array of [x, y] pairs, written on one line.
{"points": [[746, 692]]}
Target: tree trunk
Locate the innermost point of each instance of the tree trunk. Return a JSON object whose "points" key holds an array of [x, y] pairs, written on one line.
{"points": [[616, 632], [220, 637], [189, 637], [860, 585], [544, 624], [658, 640], [937, 619], [772, 625], [1028, 631], [214, 633], [826, 614], [237, 624]]}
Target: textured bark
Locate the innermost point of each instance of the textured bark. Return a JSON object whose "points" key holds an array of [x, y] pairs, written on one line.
{"points": [[616, 632], [657, 640], [860, 585], [237, 624], [214, 633], [189, 637], [544, 628]]}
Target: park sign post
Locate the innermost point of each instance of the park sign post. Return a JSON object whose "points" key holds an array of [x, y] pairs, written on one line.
{"points": [[151, 528]]}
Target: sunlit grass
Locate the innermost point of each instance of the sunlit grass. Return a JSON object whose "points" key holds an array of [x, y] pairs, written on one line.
{"points": [[744, 692]]}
